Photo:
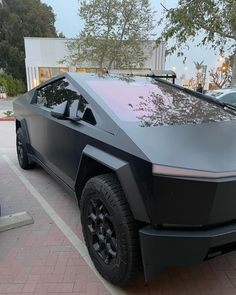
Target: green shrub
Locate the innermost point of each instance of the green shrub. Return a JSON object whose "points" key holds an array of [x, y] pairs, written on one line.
{"points": [[13, 87], [8, 113]]}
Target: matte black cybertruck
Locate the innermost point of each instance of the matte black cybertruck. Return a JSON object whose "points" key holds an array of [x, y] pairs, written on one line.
{"points": [[153, 167]]}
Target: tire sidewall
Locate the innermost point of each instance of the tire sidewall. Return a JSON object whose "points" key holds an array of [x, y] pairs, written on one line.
{"points": [[120, 266], [24, 162]]}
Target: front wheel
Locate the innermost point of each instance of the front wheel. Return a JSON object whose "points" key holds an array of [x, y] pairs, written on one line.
{"points": [[21, 149], [109, 229]]}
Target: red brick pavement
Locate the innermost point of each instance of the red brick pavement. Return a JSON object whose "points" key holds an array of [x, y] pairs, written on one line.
{"points": [[38, 259]]}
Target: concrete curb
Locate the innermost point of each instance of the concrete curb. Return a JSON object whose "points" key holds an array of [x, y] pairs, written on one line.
{"points": [[7, 119], [15, 220]]}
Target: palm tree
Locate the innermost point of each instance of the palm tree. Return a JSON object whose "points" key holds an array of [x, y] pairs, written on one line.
{"points": [[199, 67]]}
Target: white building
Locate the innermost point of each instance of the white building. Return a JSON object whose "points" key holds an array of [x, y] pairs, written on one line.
{"points": [[44, 56]]}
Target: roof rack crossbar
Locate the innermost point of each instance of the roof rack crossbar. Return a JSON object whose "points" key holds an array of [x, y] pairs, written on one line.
{"points": [[147, 73]]}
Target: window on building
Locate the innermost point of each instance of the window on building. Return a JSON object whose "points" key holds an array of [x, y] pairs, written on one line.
{"points": [[88, 70], [46, 73]]}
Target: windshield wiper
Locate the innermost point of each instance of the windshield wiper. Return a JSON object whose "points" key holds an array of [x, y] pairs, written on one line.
{"points": [[229, 106], [224, 105]]}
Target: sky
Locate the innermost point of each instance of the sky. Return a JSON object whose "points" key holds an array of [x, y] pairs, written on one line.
{"points": [[68, 22]]}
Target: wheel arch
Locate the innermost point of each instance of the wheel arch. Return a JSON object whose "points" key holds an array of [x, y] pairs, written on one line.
{"points": [[95, 162], [21, 123]]}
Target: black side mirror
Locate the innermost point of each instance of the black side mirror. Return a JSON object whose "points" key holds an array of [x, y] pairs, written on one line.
{"points": [[61, 110]]}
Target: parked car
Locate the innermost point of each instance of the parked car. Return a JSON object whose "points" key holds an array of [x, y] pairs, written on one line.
{"points": [[225, 95], [152, 165], [3, 94]]}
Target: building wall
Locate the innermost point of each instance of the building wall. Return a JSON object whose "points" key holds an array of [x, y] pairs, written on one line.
{"points": [[44, 56]]}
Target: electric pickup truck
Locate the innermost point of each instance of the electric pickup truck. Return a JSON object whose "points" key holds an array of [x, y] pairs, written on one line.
{"points": [[152, 165]]}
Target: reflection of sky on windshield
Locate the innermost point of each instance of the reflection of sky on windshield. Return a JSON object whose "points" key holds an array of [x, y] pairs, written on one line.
{"points": [[122, 97], [155, 104]]}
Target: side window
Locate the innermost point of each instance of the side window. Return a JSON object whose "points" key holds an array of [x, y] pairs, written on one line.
{"points": [[84, 111], [82, 105], [59, 91], [56, 93]]}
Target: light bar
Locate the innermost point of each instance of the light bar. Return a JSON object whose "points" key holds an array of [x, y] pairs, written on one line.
{"points": [[175, 171]]}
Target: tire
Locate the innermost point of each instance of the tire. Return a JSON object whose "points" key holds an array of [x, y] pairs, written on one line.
{"points": [[21, 149], [110, 231]]}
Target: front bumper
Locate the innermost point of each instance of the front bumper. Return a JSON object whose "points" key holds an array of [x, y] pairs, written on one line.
{"points": [[165, 247], [192, 202]]}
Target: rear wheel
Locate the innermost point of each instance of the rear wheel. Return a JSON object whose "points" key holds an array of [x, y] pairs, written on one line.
{"points": [[110, 231], [22, 154]]}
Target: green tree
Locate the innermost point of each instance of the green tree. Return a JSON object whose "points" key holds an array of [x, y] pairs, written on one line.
{"points": [[12, 86], [19, 19], [114, 33], [212, 21]]}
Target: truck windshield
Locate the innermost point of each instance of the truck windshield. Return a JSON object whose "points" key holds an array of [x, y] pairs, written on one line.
{"points": [[154, 103]]}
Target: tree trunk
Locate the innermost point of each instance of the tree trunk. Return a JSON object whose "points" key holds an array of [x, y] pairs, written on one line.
{"points": [[110, 64], [233, 83]]}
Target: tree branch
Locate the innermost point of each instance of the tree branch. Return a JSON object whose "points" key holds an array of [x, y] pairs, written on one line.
{"points": [[164, 7], [204, 27]]}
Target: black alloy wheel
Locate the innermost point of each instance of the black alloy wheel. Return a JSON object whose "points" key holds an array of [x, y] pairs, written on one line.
{"points": [[110, 231], [102, 231]]}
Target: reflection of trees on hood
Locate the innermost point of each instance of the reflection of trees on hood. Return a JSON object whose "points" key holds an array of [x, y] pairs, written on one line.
{"points": [[173, 107]]}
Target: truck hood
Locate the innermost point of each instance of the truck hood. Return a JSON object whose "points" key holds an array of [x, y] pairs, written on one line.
{"points": [[206, 147]]}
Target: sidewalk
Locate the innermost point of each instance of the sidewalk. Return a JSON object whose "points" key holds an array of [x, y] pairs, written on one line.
{"points": [[39, 259]]}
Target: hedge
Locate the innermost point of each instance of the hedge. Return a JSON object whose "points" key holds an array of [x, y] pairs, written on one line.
{"points": [[12, 86]]}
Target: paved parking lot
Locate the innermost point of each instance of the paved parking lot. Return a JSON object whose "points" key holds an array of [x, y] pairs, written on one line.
{"points": [[48, 256], [5, 105]]}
